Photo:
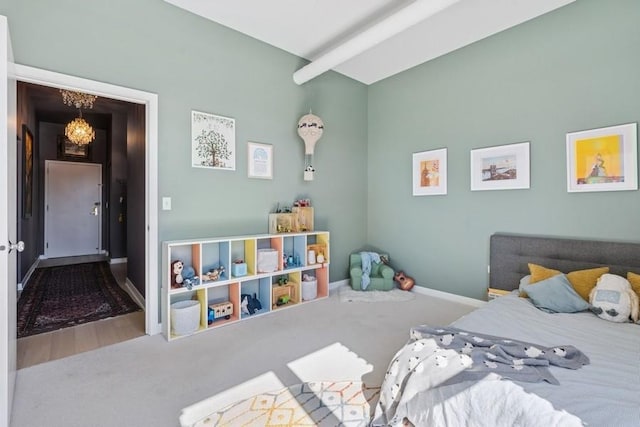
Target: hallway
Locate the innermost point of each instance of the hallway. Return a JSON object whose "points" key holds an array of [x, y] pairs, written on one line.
{"points": [[36, 349]]}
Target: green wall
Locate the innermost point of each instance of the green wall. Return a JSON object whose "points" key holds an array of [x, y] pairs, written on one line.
{"points": [[195, 64], [573, 69]]}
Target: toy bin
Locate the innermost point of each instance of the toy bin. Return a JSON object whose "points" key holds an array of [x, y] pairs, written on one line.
{"points": [[185, 317], [309, 289], [267, 260]]}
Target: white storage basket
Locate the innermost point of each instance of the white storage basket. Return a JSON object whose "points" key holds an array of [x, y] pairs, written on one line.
{"points": [[185, 317], [309, 289], [267, 260]]}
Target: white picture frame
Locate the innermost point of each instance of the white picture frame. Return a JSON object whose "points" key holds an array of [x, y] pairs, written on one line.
{"points": [[430, 172], [604, 159], [259, 160], [213, 141], [503, 167]]}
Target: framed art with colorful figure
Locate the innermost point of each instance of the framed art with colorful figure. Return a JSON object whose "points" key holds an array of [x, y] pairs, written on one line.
{"points": [[603, 159], [430, 172], [504, 167]]}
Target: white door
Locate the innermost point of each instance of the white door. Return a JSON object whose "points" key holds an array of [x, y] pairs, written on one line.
{"points": [[73, 208], [8, 225]]}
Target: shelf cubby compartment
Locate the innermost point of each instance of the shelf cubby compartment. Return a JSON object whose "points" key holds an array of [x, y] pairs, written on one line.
{"points": [[293, 251], [269, 254], [215, 262], [319, 244], [261, 289], [189, 255], [188, 296], [243, 250], [225, 302], [285, 294], [321, 275]]}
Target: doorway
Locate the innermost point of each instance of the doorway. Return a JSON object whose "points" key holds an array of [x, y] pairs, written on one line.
{"points": [[145, 135]]}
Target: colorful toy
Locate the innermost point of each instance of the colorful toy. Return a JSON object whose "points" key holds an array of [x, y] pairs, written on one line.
{"points": [[250, 303], [213, 274], [219, 310], [176, 274]]}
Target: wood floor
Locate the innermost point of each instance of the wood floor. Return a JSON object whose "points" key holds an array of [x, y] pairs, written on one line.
{"points": [[36, 349]]}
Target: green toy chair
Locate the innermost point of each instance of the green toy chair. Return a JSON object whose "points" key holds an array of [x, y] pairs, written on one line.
{"points": [[381, 274]]}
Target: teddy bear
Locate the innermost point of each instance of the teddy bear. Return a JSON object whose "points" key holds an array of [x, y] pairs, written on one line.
{"points": [[176, 274], [613, 299]]}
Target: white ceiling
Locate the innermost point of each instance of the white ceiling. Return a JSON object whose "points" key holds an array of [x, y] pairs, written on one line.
{"points": [[311, 28]]}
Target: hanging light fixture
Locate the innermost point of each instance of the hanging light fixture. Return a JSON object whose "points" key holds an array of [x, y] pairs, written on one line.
{"points": [[78, 130]]}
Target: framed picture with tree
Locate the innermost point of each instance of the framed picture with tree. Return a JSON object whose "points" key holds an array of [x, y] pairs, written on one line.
{"points": [[213, 141]]}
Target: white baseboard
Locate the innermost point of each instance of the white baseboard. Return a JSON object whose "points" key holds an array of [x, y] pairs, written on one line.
{"points": [[134, 293], [334, 286], [448, 296], [27, 276]]}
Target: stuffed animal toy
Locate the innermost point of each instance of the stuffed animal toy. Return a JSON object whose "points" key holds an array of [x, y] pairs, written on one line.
{"points": [[613, 299], [250, 303], [189, 277], [176, 274], [405, 282]]}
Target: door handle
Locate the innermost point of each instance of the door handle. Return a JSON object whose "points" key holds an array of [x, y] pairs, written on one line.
{"points": [[94, 210], [17, 246]]}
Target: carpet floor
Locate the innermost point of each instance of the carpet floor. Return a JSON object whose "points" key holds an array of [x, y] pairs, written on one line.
{"points": [[70, 295]]}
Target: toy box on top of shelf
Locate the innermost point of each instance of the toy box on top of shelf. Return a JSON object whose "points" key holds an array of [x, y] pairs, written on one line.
{"points": [[298, 218]]}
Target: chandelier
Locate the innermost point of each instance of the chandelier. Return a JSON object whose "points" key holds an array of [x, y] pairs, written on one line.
{"points": [[78, 130]]}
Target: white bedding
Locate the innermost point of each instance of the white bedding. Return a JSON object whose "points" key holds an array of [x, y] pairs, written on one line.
{"points": [[604, 393]]}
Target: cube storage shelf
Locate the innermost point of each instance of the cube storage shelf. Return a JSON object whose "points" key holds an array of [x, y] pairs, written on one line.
{"points": [[216, 261]]}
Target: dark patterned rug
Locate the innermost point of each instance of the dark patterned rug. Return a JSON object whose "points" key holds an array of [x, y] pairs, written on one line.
{"points": [[69, 295]]}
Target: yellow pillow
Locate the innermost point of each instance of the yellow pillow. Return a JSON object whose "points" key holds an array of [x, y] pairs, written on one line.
{"points": [[634, 279], [539, 273], [585, 280], [581, 280]]}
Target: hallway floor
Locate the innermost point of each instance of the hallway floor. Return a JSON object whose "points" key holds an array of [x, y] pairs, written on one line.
{"points": [[36, 349]]}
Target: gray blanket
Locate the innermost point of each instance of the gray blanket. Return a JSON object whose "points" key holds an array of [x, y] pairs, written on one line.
{"points": [[516, 360], [447, 355]]}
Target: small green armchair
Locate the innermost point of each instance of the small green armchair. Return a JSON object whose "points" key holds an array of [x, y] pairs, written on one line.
{"points": [[381, 274]]}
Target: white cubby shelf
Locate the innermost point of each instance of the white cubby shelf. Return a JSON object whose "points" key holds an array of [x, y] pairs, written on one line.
{"points": [[216, 261]]}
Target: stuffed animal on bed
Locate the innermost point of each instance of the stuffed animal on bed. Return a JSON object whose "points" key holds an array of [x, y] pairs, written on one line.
{"points": [[613, 299]]}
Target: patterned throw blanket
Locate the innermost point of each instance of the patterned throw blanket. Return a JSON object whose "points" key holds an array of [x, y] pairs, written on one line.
{"points": [[447, 355]]}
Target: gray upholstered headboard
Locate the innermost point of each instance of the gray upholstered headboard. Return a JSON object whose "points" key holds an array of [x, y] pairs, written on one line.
{"points": [[510, 253]]}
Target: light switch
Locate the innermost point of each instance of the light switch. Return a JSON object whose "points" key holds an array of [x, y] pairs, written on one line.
{"points": [[166, 203]]}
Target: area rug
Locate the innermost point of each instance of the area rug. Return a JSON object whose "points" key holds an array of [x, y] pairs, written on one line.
{"points": [[69, 295], [347, 294], [343, 403]]}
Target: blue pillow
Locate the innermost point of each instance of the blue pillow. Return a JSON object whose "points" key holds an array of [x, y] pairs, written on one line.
{"points": [[556, 295]]}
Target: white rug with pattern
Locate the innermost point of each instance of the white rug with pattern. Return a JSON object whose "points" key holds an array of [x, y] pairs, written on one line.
{"points": [[344, 403]]}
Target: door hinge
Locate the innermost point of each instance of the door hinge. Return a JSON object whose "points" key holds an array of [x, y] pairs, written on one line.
{"points": [[47, 245]]}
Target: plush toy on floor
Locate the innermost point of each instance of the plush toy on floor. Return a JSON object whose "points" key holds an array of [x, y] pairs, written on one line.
{"points": [[613, 299]]}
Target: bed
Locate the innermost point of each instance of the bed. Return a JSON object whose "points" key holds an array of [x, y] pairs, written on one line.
{"points": [[603, 391]]}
